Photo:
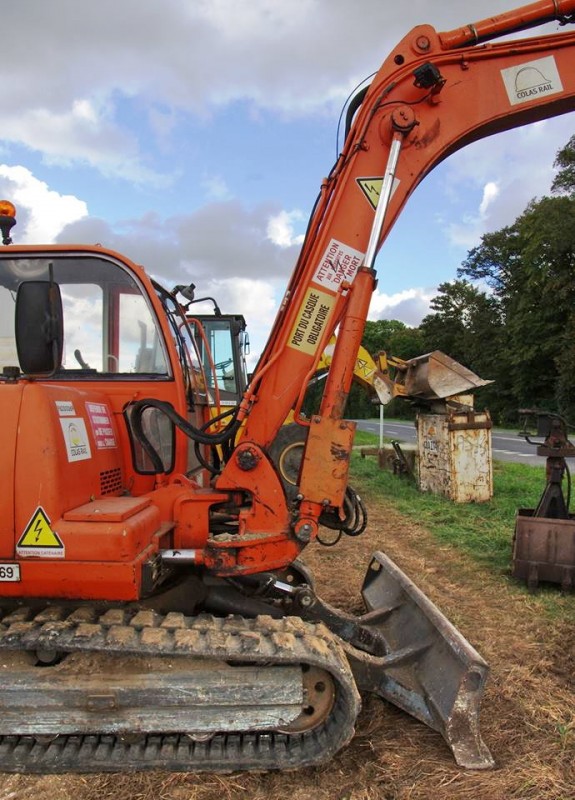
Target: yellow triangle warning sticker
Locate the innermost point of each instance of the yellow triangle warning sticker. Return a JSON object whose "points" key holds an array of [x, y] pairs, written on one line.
{"points": [[39, 538], [371, 187], [362, 366]]}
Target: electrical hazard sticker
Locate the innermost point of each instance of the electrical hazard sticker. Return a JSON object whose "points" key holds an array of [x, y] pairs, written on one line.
{"points": [[311, 321], [371, 188], [39, 539]]}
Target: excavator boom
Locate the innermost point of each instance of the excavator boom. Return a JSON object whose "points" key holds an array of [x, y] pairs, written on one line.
{"points": [[429, 98]]}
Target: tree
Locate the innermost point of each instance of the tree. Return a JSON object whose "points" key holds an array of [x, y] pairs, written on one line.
{"points": [[510, 316], [393, 336], [530, 266], [466, 325], [564, 181]]}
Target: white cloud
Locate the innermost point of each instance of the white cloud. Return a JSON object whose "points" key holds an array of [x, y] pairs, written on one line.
{"points": [[280, 228], [42, 212], [466, 230], [222, 239], [82, 134], [490, 192], [216, 188], [85, 110], [500, 175], [408, 306], [66, 85]]}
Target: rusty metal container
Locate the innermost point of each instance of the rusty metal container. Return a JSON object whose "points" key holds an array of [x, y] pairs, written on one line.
{"points": [[454, 455], [544, 550]]}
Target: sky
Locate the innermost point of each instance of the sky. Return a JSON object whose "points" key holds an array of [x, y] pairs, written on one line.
{"points": [[193, 135]]}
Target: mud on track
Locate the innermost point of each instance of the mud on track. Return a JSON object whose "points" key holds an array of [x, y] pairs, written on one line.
{"points": [[528, 716]]}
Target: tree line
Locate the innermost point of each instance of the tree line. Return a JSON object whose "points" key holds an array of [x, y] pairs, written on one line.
{"points": [[509, 315]]}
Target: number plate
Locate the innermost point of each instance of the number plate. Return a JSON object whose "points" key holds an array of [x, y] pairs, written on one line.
{"points": [[9, 572]]}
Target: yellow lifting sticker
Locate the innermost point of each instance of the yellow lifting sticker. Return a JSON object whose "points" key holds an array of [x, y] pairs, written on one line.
{"points": [[311, 320], [39, 539]]}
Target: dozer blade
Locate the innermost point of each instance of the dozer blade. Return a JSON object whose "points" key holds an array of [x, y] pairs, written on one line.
{"points": [[435, 376], [429, 670]]}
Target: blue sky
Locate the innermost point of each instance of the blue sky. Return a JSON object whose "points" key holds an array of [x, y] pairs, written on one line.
{"points": [[193, 136]]}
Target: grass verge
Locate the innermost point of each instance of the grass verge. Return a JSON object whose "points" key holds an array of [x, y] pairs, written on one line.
{"points": [[484, 531]]}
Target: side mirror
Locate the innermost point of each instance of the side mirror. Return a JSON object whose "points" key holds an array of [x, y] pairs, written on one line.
{"points": [[39, 327]]}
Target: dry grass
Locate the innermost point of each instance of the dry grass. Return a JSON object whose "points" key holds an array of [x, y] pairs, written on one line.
{"points": [[528, 716]]}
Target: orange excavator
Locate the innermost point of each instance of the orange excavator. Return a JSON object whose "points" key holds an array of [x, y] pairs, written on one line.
{"points": [[155, 613]]}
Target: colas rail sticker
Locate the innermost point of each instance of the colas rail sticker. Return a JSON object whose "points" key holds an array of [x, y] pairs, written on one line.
{"points": [[75, 438], [531, 80]]}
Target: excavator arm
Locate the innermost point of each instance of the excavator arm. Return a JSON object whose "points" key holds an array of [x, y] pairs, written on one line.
{"points": [[435, 93]]}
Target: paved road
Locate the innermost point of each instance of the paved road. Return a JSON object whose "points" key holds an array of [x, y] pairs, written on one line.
{"points": [[506, 445]]}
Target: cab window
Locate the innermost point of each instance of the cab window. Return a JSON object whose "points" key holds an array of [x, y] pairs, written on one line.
{"points": [[109, 324]]}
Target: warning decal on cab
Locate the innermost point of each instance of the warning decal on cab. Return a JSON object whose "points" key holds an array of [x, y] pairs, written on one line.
{"points": [[39, 539], [101, 422]]}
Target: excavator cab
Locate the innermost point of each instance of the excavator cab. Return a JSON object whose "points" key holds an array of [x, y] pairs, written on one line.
{"points": [[223, 346]]}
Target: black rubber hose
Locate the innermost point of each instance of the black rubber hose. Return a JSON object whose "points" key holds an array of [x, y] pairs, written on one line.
{"points": [[196, 434]]}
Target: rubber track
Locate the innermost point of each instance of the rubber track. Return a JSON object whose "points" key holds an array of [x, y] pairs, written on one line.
{"points": [[119, 631]]}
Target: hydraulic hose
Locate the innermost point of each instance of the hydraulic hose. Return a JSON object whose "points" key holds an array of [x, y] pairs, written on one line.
{"points": [[197, 435]]}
